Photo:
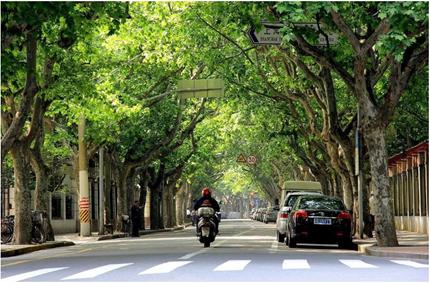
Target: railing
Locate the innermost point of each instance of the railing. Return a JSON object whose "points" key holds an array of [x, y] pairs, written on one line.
{"points": [[408, 173]]}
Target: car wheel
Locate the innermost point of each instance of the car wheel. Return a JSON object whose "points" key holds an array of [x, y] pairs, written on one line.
{"points": [[291, 241], [345, 243], [280, 237]]}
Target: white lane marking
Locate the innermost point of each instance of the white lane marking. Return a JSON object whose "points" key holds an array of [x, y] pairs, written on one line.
{"points": [[91, 273], [356, 263], [295, 264], [31, 274], [165, 267], [274, 248], [188, 256], [232, 265], [410, 263]]}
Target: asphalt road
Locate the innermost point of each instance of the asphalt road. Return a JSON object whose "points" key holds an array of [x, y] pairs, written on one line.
{"points": [[245, 251]]}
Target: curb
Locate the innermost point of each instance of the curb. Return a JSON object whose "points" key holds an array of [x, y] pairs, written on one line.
{"points": [[374, 251], [141, 233], [20, 251], [362, 248]]}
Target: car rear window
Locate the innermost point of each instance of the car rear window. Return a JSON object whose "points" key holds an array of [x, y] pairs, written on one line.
{"points": [[321, 203], [291, 200]]}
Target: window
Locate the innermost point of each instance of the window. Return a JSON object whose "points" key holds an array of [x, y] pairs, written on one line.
{"points": [[320, 203], [56, 207], [69, 207]]}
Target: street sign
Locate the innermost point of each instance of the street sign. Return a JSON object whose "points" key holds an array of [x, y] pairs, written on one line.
{"points": [[200, 88], [269, 34], [322, 41], [241, 159], [252, 160]]}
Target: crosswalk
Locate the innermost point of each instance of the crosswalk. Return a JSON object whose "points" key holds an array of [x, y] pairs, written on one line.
{"points": [[227, 266]]}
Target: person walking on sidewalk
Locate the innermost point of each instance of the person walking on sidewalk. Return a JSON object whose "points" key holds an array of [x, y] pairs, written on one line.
{"points": [[136, 218]]}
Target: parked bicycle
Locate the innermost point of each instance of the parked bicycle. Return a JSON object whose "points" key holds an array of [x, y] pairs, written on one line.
{"points": [[38, 227], [7, 229]]}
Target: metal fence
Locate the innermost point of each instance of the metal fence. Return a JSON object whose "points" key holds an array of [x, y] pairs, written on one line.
{"points": [[408, 173]]}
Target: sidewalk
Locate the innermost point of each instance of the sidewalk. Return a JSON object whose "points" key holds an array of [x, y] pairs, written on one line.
{"points": [[411, 245], [63, 240]]}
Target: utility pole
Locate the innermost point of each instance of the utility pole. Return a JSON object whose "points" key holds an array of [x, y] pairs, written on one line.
{"points": [[101, 193], [358, 172], [84, 201]]}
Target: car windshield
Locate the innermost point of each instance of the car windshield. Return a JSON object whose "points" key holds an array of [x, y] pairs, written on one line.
{"points": [[320, 203]]}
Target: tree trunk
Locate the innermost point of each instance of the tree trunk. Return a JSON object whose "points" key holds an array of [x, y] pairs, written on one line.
{"points": [[154, 208], [122, 208], [143, 182], [384, 213], [165, 207], [108, 184], [180, 201], [22, 228], [41, 197]]}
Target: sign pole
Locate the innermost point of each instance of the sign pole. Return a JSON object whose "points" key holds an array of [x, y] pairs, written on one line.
{"points": [[84, 202], [359, 173], [101, 193]]}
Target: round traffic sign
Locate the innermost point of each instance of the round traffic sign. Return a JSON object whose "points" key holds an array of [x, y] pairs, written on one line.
{"points": [[252, 160]]}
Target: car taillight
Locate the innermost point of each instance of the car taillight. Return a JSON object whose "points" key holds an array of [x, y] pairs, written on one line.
{"points": [[300, 214], [344, 215], [283, 215]]}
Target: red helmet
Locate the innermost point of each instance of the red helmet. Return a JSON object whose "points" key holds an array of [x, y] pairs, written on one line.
{"points": [[206, 192]]}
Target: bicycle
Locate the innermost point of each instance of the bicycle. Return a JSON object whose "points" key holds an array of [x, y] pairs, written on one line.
{"points": [[7, 229], [38, 229], [38, 235]]}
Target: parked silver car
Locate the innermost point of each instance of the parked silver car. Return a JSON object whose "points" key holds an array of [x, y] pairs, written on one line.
{"points": [[270, 214]]}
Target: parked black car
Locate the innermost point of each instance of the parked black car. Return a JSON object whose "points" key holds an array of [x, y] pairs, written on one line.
{"points": [[319, 219]]}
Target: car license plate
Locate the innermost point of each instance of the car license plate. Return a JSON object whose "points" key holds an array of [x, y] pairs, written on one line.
{"points": [[322, 221]]}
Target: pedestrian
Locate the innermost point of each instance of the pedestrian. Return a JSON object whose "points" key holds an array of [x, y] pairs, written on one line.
{"points": [[193, 217], [136, 218]]}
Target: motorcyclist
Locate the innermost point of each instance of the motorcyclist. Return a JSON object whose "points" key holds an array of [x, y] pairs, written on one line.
{"points": [[208, 201]]}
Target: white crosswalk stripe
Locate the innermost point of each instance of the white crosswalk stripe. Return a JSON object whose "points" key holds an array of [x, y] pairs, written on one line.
{"points": [[410, 263], [295, 264], [232, 265], [165, 267], [31, 274], [94, 272], [355, 263], [228, 265]]}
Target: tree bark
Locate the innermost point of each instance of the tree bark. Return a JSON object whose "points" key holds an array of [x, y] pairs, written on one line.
{"points": [[22, 228], [384, 213], [41, 192], [122, 208]]}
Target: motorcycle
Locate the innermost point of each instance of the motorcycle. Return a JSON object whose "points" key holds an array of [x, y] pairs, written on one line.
{"points": [[206, 227]]}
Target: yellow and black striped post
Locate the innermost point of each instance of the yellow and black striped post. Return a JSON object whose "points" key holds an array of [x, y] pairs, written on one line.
{"points": [[84, 201]]}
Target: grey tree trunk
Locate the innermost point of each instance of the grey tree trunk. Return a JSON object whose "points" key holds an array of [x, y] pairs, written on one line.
{"points": [[122, 208], [384, 212], [180, 203], [22, 228], [41, 196]]}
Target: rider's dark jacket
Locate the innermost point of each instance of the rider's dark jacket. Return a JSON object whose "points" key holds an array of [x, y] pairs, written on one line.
{"points": [[206, 201]]}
